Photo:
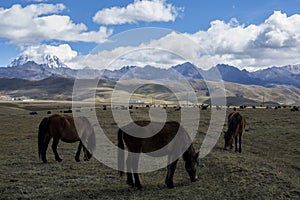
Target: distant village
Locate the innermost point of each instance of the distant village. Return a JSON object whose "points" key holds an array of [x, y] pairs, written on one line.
{"points": [[9, 98]]}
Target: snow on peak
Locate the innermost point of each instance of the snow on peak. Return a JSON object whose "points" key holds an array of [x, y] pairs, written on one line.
{"points": [[295, 69], [21, 60], [50, 61]]}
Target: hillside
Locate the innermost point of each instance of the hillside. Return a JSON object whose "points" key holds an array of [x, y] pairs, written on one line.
{"points": [[59, 88], [52, 88]]}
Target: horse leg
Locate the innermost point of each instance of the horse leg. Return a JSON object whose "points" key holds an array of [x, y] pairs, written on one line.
{"points": [[77, 156], [137, 182], [85, 153], [129, 168], [240, 143], [135, 162], [236, 141], [170, 173], [44, 149], [54, 148]]}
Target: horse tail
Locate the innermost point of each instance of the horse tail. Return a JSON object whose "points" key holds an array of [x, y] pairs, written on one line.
{"points": [[43, 127], [120, 152]]}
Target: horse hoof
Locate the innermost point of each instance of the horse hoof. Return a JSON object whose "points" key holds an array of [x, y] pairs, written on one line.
{"points": [[140, 188], [59, 160], [131, 184], [45, 161], [170, 186], [77, 159], [194, 179]]}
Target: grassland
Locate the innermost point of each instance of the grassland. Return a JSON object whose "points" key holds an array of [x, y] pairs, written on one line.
{"points": [[268, 168], [62, 88]]}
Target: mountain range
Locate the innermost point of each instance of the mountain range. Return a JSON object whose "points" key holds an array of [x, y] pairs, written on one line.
{"points": [[51, 66]]}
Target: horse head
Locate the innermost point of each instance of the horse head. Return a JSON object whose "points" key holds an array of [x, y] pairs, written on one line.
{"points": [[228, 137], [191, 164]]}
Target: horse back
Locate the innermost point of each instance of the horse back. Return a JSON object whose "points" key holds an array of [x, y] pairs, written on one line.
{"points": [[236, 123], [63, 127], [159, 140]]}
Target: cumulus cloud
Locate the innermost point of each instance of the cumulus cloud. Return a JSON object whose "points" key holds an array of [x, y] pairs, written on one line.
{"points": [[139, 10], [276, 41], [39, 22], [164, 52], [64, 52]]}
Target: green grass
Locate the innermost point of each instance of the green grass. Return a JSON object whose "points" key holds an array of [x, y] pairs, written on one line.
{"points": [[268, 168]]}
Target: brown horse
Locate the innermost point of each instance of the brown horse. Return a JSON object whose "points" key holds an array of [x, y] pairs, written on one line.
{"points": [[236, 128], [61, 126], [173, 135]]}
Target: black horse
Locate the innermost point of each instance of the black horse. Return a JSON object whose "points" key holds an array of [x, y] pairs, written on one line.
{"points": [[165, 136], [62, 127], [236, 128]]}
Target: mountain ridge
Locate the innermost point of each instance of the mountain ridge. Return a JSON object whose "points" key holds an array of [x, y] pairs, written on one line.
{"points": [[25, 68]]}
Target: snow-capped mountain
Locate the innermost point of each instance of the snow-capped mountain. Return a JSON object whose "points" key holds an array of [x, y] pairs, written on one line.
{"points": [[46, 66], [21, 60], [50, 61], [28, 67], [53, 62], [295, 69], [275, 76]]}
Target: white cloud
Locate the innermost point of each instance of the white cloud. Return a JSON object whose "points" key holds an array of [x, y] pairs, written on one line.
{"points": [[273, 42], [39, 22], [164, 52], [276, 41], [139, 10], [64, 52], [39, 1]]}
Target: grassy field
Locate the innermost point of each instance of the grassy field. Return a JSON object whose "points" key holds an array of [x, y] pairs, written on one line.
{"points": [[268, 168]]}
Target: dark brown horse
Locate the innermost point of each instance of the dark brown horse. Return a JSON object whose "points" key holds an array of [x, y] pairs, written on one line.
{"points": [[62, 127], [236, 128], [173, 135]]}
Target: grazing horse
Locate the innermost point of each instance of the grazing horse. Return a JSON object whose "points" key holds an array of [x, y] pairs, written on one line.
{"points": [[236, 128], [61, 126], [166, 136]]}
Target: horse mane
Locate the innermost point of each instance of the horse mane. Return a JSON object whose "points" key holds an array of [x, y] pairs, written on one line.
{"points": [[234, 120], [188, 153]]}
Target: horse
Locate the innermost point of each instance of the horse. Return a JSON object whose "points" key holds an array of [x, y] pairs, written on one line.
{"points": [[166, 136], [62, 127], [236, 128]]}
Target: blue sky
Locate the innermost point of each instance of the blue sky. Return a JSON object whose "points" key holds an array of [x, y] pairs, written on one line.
{"points": [[247, 34]]}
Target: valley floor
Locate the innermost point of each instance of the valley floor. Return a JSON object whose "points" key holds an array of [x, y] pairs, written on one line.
{"points": [[268, 167]]}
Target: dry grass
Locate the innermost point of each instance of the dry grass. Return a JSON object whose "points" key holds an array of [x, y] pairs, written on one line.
{"points": [[268, 168]]}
